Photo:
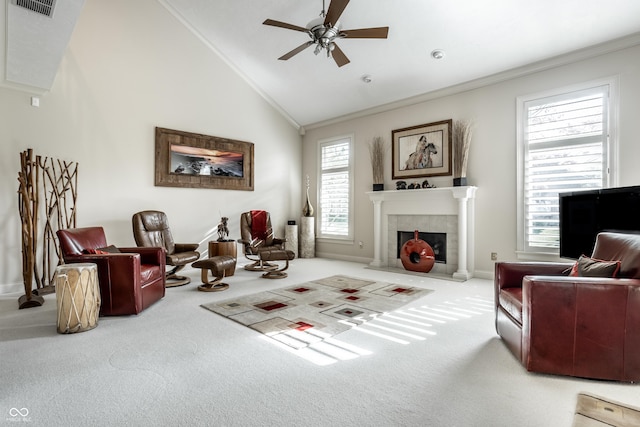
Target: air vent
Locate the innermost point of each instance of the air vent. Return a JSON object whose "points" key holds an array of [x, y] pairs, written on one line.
{"points": [[43, 7]]}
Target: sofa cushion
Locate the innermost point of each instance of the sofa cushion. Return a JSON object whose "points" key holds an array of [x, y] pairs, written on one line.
{"points": [[510, 300], [591, 267]]}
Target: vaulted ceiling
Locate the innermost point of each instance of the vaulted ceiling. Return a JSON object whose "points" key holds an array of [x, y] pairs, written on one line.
{"points": [[478, 38]]}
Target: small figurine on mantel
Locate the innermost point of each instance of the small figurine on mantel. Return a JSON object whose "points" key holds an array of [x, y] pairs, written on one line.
{"points": [[223, 230]]}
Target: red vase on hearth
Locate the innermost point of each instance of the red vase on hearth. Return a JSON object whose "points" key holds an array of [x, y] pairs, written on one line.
{"points": [[417, 255]]}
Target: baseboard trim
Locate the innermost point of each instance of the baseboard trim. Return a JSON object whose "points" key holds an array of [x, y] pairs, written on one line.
{"points": [[11, 288]]}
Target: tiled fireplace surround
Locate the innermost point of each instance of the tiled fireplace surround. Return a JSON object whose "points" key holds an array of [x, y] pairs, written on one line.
{"points": [[441, 210]]}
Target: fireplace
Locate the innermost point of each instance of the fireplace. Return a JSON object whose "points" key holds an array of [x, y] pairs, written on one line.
{"points": [[444, 226], [437, 241], [448, 210]]}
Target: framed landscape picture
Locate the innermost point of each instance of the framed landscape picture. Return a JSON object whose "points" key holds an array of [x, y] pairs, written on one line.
{"points": [[421, 151], [185, 159]]}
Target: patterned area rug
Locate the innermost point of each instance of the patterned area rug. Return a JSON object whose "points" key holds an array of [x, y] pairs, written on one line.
{"points": [[299, 315]]}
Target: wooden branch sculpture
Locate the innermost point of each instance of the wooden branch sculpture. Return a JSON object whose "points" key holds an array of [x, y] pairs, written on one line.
{"points": [[52, 180]]}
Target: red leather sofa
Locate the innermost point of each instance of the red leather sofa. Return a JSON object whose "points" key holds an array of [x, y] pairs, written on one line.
{"points": [[130, 279], [579, 326]]}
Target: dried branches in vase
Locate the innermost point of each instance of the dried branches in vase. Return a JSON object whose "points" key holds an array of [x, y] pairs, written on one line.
{"points": [[462, 133], [377, 149]]}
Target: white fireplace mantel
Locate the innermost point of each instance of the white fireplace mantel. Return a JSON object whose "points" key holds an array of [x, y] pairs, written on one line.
{"points": [[429, 201]]}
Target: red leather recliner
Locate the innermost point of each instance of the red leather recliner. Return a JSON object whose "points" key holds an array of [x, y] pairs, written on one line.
{"points": [[130, 281], [579, 326]]}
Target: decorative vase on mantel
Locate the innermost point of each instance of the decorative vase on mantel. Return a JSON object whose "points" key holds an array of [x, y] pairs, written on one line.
{"points": [[417, 255]]}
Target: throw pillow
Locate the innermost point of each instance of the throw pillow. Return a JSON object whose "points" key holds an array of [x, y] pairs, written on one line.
{"points": [[108, 250], [591, 267]]}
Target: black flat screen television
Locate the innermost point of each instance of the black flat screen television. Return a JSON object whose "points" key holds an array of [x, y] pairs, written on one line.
{"points": [[583, 214]]}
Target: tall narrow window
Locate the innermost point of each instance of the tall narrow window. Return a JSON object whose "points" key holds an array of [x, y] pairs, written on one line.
{"points": [[336, 188], [563, 146]]}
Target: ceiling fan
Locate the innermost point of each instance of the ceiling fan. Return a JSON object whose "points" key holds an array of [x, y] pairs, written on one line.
{"points": [[325, 30]]}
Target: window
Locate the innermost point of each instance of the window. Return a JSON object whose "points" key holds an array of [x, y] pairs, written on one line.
{"points": [[336, 188], [563, 146]]}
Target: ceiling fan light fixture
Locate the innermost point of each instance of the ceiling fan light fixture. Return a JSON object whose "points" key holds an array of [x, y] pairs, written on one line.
{"points": [[324, 31]]}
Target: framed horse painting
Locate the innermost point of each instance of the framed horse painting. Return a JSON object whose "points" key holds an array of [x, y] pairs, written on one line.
{"points": [[421, 151]]}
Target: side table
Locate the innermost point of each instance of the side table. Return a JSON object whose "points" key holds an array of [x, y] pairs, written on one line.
{"points": [[307, 237], [291, 237], [229, 248]]}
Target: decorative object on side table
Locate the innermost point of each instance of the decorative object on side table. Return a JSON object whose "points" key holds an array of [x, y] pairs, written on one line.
{"points": [[377, 149], [417, 255], [223, 230], [462, 133]]}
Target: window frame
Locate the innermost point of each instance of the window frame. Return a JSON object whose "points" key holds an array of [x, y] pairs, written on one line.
{"points": [[610, 168], [335, 238]]}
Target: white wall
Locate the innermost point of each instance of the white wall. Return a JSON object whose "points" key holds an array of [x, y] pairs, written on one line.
{"points": [[131, 66], [492, 163]]}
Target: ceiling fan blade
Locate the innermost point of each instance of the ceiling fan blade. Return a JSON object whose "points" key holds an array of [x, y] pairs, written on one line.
{"points": [[284, 25], [366, 33], [335, 10], [296, 51], [339, 56]]}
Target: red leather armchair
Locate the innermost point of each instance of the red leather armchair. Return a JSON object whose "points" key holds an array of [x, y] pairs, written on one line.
{"points": [[579, 326], [130, 280]]}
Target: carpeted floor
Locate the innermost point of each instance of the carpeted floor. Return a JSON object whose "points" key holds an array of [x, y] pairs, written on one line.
{"points": [[177, 364], [305, 315]]}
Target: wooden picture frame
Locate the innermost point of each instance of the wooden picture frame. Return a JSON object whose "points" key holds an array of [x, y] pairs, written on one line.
{"points": [[421, 151], [185, 159]]}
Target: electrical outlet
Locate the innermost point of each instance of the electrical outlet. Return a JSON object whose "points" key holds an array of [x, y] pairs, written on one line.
{"points": [[494, 256], [361, 244]]}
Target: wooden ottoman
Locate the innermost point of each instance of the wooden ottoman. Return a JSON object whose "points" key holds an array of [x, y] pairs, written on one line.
{"points": [[217, 265], [276, 255]]}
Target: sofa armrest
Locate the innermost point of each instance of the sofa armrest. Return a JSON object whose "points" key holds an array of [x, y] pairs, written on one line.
{"points": [[186, 247], [148, 255], [510, 274]]}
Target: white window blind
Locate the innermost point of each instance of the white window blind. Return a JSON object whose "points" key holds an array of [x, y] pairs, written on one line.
{"points": [[565, 149], [335, 189]]}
